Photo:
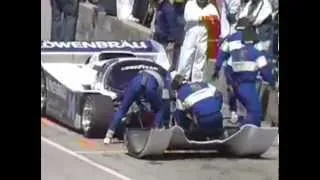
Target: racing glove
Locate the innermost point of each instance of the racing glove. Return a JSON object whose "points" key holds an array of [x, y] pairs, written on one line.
{"points": [[275, 87], [215, 75], [170, 46], [108, 138]]}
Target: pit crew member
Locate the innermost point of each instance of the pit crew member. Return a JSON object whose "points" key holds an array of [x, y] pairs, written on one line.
{"points": [[153, 89], [244, 62], [198, 108]]}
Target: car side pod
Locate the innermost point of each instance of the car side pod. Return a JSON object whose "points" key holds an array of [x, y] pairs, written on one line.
{"points": [[248, 141]]}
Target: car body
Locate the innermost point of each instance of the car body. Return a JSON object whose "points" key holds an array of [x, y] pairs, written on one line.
{"points": [[85, 95]]}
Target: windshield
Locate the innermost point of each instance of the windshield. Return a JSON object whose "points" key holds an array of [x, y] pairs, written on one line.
{"points": [[119, 74], [105, 56]]}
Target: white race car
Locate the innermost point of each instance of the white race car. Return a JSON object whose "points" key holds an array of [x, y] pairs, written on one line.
{"points": [[85, 95]]}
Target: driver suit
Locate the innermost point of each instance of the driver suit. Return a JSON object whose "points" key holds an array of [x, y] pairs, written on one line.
{"points": [[193, 55], [244, 61], [153, 88], [198, 110]]}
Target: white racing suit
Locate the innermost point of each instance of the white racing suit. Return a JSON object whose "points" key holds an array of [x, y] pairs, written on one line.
{"points": [[193, 51], [228, 7], [258, 17]]}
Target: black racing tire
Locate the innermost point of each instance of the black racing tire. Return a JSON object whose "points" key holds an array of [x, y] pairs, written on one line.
{"points": [[270, 107], [273, 113], [264, 102], [97, 113], [43, 94]]}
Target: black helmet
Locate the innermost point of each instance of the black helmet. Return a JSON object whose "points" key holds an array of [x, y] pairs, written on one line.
{"points": [[177, 81], [249, 36]]}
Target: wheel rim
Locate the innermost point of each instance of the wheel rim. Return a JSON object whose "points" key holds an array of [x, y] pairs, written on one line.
{"points": [[87, 117], [43, 92]]}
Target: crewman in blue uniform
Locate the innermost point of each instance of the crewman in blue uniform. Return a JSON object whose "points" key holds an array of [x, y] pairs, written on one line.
{"points": [[150, 87], [198, 108], [244, 62]]}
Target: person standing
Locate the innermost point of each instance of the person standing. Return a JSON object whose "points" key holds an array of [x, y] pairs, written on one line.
{"points": [[166, 27], [244, 62], [64, 19], [229, 11], [193, 55]]}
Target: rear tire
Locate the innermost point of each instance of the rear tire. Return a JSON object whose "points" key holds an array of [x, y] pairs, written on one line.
{"points": [[43, 94], [265, 101], [97, 113]]}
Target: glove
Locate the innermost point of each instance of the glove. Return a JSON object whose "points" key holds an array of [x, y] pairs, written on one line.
{"points": [[275, 87], [170, 46], [108, 138], [215, 75], [230, 89]]}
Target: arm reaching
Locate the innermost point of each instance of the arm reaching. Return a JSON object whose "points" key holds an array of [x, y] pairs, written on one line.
{"points": [[266, 70], [223, 55]]}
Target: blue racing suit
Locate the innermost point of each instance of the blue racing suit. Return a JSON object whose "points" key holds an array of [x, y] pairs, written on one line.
{"points": [[199, 104], [244, 62], [166, 24], [64, 19], [151, 87]]}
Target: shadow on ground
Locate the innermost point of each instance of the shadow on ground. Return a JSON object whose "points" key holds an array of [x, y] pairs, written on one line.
{"points": [[185, 155]]}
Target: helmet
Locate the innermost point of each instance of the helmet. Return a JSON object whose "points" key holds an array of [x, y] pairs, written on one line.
{"points": [[177, 81], [249, 35], [202, 3]]}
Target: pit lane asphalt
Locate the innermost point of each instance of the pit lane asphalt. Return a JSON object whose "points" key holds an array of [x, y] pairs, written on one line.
{"points": [[59, 165]]}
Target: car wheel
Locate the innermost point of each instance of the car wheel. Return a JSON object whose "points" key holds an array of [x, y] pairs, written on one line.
{"points": [[97, 112], [43, 94], [264, 102]]}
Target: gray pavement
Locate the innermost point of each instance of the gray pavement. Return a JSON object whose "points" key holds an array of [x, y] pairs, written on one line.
{"points": [[58, 165], [169, 166]]}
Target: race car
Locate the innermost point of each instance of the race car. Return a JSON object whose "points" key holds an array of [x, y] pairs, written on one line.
{"points": [[85, 95]]}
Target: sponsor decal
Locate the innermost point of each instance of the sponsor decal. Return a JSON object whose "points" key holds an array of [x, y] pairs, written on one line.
{"points": [[139, 67], [95, 45], [57, 89]]}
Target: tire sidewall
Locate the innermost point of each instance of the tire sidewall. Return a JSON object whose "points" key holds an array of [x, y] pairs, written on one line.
{"points": [[88, 102], [44, 91]]}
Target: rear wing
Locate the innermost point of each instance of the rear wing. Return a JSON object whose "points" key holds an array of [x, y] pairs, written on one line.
{"points": [[80, 51]]}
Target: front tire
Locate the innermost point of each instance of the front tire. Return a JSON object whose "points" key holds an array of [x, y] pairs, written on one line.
{"points": [[97, 112], [43, 94]]}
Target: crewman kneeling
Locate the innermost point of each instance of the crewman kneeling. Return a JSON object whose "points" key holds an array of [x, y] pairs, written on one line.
{"points": [[198, 109], [150, 88]]}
